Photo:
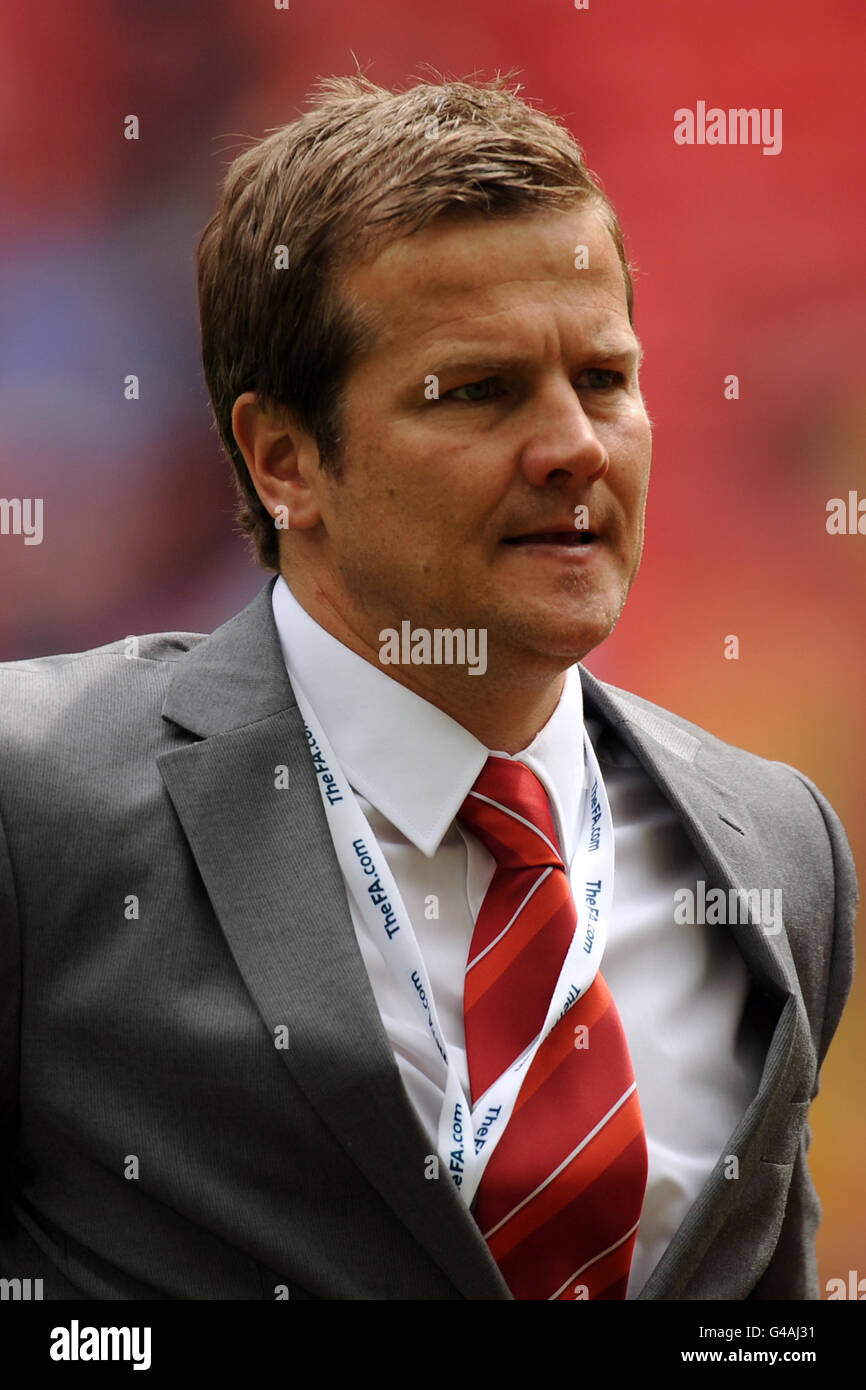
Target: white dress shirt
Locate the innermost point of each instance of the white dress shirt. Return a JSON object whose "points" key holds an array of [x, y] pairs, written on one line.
{"points": [[680, 990]]}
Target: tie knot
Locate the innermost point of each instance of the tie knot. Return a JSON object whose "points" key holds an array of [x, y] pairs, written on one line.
{"points": [[508, 810]]}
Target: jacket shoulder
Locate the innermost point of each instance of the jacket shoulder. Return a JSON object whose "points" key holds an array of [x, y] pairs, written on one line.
{"points": [[152, 646], [51, 702], [799, 832], [678, 735], [750, 773], [114, 662]]}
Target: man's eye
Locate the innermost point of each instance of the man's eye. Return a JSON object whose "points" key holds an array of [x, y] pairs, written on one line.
{"points": [[600, 379], [475, 390], [611, 378]]}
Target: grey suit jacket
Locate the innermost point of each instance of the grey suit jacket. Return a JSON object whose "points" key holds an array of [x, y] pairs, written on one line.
{"points": [[198, 1098]]}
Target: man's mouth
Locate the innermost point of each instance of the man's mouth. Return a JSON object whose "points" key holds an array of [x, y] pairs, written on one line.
{"points": [[565, 538]]}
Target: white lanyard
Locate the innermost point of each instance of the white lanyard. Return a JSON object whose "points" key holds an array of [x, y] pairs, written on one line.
{"points": [[467, 1137]]}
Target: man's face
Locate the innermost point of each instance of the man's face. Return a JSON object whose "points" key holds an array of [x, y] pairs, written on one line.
{"points": [[459, 511]]}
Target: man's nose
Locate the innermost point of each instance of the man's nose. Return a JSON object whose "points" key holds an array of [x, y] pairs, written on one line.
{"points": [[560, 438]]}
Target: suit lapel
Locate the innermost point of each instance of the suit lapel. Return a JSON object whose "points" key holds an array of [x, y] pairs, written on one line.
{"points": [[719, 826], [248, 800]]}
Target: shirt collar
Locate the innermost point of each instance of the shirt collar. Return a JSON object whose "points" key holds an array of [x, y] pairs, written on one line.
{"points": [[410, 760]]}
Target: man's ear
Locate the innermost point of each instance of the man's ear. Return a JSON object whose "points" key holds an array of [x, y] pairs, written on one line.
{"points": [[281, 458]]}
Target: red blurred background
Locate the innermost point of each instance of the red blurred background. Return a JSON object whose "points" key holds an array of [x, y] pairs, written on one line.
{"points": [[747, 264]]}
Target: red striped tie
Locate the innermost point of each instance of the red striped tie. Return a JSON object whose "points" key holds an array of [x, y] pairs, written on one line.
{"points": [[560, 1199]]}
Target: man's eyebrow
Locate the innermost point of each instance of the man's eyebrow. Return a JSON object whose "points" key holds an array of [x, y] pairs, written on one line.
{"points": [[502, 362]]}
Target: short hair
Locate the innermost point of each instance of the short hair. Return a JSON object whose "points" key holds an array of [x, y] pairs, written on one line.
{"points": [[363, 168]]}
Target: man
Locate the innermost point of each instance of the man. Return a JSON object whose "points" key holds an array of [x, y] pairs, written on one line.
{"points": [[317, 980]]}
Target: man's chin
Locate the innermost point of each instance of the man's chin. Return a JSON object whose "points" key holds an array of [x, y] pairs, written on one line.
{"points": [[565, 626], [550, 647]]}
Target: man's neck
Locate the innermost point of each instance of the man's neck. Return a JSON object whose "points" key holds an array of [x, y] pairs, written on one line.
{"points": [[503, 719], [502, 712]]}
